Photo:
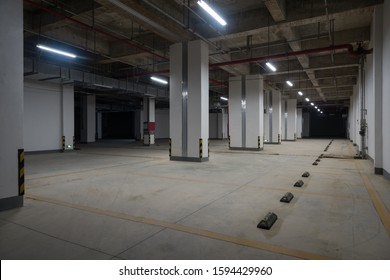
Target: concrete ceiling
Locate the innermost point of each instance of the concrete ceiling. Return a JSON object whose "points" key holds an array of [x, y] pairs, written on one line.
{"points": [[126, 38]]}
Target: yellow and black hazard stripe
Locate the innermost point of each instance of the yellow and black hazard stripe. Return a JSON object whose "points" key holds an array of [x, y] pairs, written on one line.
{"points": [[229, 141], [63, 143], [279, 138], [208, 147], [21, 171], [200, 148], [170, 147], [258, 142]]}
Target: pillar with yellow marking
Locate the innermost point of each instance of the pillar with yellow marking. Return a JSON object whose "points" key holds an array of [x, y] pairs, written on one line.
{"points": [[246, 113], [189, 101], [11, 104], [272, 116]]}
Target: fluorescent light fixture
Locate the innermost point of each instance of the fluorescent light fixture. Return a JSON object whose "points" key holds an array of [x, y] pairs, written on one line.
{"points": [[289, 83], [42, 47], [307, 99], [271, 66], [316, 107], [312, 104], [322, 112], [300, 93], [161, 81], [224, 98], [211, 12], [318, 110], [103, 86]]}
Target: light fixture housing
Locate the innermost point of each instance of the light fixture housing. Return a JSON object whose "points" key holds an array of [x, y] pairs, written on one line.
{"points": [[307, 99], [211, 12], [312, 104], [46, 48], [224, 98], [289, 83], [159, 80], [300, 93], [316, 107], [270, 66]]}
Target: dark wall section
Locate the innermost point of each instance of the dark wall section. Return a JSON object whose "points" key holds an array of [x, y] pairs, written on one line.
{"points": [[118, 125], [328, 125]]}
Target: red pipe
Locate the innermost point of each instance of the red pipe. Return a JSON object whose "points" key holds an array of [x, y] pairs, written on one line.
{"points": [[349, 47], [105, 33]]}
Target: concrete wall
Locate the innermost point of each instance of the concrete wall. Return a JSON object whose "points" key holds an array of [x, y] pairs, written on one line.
{"points": [[42, 116], [386, 89], [162, 123]]}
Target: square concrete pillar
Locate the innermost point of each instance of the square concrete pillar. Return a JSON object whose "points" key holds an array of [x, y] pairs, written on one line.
{"points": [[148, 120], [88, 129], [246, 112], [273, 117], [11, 104], [189, 101], [299, 123], [289, 123]]}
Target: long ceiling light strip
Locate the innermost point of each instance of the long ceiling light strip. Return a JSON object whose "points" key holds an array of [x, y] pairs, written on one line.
{"points": [[211, 12], [271, 66], [159, 80], [46, 48]]}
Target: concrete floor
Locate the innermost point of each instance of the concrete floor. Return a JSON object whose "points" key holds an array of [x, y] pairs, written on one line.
{"points": [[121, 200]]}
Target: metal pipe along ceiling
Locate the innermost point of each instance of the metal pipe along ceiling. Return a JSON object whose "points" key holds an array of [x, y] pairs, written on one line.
{"points": [[348, 47], [101, 31]]}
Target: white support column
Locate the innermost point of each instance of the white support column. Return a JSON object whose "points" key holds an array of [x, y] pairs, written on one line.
{"points": [[246, 112], [224, 123], [68, 117], [377, 34], [149, 120], [189, 101], [273, 128], [267, 113], [11, 104], [386, 90], [289, 130], [299, 123], [88, 129]]}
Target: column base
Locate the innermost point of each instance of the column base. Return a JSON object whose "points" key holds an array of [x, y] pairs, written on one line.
{"points": [[386, 174], [245, 149], [378, 171], [11, 202], [191, 159], [273, 143], [289, 140]]}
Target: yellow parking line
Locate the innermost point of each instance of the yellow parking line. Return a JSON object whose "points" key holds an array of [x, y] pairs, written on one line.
{"points": [[380, 208], [187, 229]]}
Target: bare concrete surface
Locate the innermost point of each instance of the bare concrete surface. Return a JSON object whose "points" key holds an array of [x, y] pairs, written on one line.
{"points": [[123, 200]]}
